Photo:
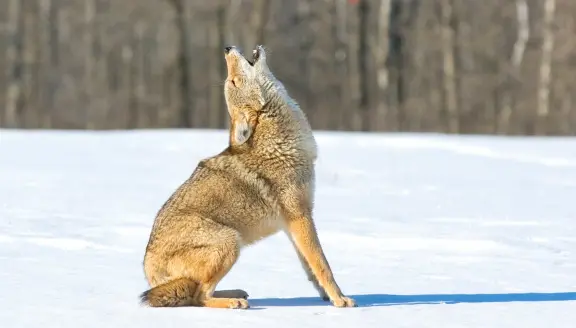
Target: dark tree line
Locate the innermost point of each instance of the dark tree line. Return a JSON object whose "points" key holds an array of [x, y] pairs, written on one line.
{"points": [[456, 66]]}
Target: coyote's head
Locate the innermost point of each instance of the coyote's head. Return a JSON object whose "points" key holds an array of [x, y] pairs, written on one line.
{"points": [[248, 87], [242, 88]]}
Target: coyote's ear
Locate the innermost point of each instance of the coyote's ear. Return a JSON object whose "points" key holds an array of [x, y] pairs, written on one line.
{"points": [[241, 130], [261, 63]]}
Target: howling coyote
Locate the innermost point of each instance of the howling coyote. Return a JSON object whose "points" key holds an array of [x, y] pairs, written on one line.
{"points": [[263, 182]]}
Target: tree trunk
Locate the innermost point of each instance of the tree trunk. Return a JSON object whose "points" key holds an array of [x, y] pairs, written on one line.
{"points": [[89, 33], [14, 66], [186, 88], [545, 66], [363, 12], [523, 33], [381, 44], [449, 66], [339, 24]]}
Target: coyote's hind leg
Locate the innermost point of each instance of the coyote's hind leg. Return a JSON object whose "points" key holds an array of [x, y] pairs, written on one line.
{"points": [[211, 257]]}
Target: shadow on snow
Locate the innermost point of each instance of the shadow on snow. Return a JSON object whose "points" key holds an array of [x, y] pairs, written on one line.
{"points": [[368, 300]]}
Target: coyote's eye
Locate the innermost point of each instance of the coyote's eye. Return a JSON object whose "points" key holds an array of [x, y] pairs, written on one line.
{"points": [[235, 81]]}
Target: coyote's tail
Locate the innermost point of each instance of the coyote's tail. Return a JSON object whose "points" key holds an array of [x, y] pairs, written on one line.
{"points": [[178, 292]]}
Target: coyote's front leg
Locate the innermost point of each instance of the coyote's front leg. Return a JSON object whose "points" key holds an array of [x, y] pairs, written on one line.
{"points": [[306, 240], [309, 274], [300, 227]]}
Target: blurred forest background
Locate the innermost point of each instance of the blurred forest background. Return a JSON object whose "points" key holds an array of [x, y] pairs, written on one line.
{"points": [[454, 66]]}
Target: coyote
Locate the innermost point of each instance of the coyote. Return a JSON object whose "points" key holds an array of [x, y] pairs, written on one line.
{"points": [[262, 183]]}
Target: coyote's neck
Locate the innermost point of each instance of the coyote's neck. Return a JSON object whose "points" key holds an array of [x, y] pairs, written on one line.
{"points": [[283, 125], [281, 105]]}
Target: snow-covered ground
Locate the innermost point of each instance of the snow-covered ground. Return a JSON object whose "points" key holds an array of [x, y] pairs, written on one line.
{"points": [[422, 230]]}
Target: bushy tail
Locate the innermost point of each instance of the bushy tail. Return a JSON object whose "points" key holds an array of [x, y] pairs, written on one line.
{"points": [[178, 292]]}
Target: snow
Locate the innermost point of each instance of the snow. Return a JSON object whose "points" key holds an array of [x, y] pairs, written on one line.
{"points": [[423, 230]]}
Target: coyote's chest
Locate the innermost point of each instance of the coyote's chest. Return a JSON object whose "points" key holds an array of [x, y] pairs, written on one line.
{"points": [[261, 229]]}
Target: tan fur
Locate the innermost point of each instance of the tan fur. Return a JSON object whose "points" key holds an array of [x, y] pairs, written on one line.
{"points": [[261, 184]]}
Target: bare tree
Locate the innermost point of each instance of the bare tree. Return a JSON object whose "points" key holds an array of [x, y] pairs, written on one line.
{"points": [[182, 9], [341, 54], [380, 54], [89, 34], [523, 34], [14, 66], [363, 30], [233, 8], [449, 66], [254, 30], [546, 63]]}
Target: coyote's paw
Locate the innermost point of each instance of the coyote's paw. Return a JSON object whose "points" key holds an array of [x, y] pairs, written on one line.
{"points": [[238, 303], [344, 301]]}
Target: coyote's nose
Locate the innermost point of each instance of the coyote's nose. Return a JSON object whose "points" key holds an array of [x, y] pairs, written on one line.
{"points": [[227, 49]]}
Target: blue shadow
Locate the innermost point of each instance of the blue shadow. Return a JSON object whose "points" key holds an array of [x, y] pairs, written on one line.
{"points": [[368, 300]]}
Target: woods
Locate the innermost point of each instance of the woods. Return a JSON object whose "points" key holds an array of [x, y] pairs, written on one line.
{"points": [[453, 66]]}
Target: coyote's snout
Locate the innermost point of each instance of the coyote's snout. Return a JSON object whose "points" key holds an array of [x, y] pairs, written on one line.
{"points": [[262, 183]]}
